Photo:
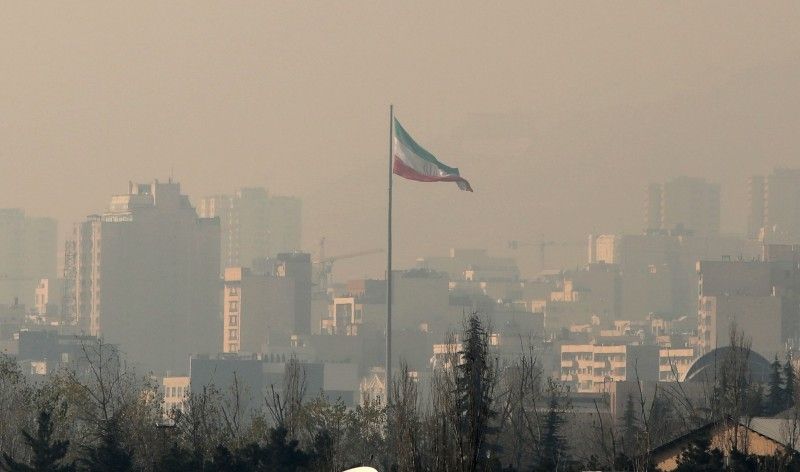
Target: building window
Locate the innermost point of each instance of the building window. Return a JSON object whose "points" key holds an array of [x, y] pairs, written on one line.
{"points": [[233, 334], [233, 291], [233, 320], [233, 306], [233, 347]]}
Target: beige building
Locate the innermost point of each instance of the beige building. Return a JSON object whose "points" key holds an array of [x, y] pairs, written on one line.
{"points": [[175, 391], [257, 311], [373, 387], [146, 277], [673, 363], [347, 315], [46, 299], [591, 367], [759, 436]]}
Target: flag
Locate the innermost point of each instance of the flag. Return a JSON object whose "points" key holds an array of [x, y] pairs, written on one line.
{"points": [[413, 162]]}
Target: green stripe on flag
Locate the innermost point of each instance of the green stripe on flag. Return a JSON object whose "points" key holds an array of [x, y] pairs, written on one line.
{"points": [[409, 142]]}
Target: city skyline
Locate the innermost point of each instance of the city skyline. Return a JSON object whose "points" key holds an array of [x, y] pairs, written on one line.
{"points": [[585, 254], [227, 107]]}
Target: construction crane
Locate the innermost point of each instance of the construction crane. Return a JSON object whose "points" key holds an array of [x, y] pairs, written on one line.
{"points": [[542, 244], [324, 265]]}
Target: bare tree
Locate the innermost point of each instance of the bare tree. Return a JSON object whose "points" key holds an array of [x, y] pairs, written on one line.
{"points": [[16, 395], [405, 429], [284, 406]]}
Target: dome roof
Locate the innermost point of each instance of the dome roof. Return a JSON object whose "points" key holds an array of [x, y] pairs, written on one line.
{"points": [[706, 367]]}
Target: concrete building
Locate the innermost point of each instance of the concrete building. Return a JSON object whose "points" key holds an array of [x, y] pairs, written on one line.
{"points": [[658, 271], [472, 264], [598, 285], [347, 315], [254, 225], [147, 277], [760, 297], [286, 223], [28, 253], [685, 203], [757, 317], [255, 375], [591, 367], [45, 351], [296, 266], [46, 298], [674, 363], [774, 206], [257, 311], [756, 200], [420, 297], [175, 393]]}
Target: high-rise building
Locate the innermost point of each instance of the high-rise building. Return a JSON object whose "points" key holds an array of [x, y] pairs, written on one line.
{"points": [[147, 277], [775, 206], [658, 271], [258, 311], [297, 267], [285, 223], [28, 253], [684, 204], [760, 298], [254, 225], [756, 186]]}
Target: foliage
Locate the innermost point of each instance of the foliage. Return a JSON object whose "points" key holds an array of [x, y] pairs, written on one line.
{"points": [[790, 382], [474, 393], [553, 451], [698, 457], [477, 414], [776, 394], [47, 453]]}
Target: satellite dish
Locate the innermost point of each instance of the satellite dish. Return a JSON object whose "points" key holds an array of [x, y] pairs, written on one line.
{"points": [[361, 469]]}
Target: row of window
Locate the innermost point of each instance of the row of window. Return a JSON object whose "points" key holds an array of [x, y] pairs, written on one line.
{"points": [[173, 392]]}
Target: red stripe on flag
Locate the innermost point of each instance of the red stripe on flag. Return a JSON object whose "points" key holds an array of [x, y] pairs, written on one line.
{"points": [[400, 168]]}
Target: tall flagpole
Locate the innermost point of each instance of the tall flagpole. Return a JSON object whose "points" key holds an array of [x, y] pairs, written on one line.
{"points": [[389, 268]]}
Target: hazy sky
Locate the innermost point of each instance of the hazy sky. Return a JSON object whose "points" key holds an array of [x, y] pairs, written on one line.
{"points": [[557, 112]]}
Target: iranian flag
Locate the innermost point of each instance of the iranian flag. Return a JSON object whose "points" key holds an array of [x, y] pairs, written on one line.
{"points": [[413, 162]]}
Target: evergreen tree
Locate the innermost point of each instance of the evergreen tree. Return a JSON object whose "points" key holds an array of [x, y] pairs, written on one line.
{"points": [[475, 381], [178, 459], [284, 452], [280, 454], [46, 455], [225, 461], [630, 427], [790, 383], [665, 426], [775, 394], [323, 451], [109, 455], [553, 447], [697, 457]]}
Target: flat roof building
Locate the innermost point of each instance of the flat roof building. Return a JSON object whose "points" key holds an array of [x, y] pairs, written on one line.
{"points": [[147, 277]]}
